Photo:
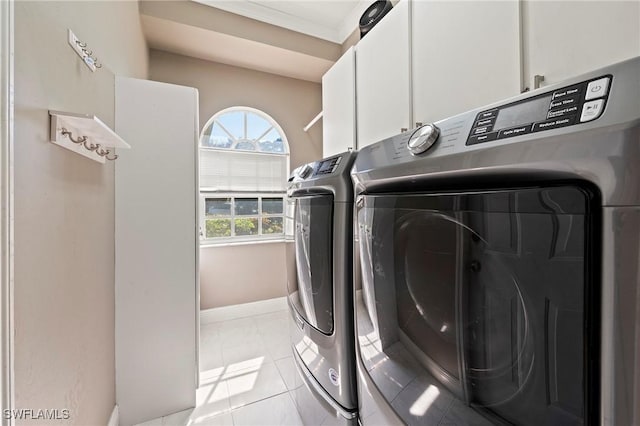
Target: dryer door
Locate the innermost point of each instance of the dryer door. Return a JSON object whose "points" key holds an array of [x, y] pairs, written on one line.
{"points": [[474, 306], [311, 289]]}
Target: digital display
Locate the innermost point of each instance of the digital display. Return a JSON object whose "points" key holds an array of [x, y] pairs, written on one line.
{"points": [[523, 113]]}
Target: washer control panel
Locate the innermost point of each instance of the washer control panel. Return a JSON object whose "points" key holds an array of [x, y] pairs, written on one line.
{"points": [[568, 106]]}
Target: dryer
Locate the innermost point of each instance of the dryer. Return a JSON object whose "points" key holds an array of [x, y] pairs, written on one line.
{"points": [[320, 294], [499, 253]]}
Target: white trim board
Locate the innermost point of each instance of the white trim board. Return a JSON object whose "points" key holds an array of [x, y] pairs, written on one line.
{"points": [[114, 419], [226, 313]]}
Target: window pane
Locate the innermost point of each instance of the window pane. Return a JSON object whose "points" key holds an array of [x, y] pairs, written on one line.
{"points": [[272, 142], [247, 226], [246, 146], [234, 122], [217, 228], [246, 206], [256, 126], [218, 206], [215, 137], [272, 205], [272, 225]]}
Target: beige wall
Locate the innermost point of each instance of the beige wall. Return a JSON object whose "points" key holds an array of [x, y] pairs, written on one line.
{"points": [[352, 40], [64, 207], [224, 276], [292, 103], [241, 274]]}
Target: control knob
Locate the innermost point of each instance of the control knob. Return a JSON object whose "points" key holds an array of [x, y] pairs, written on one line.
{"points": [[423, 139], [305, 171]]}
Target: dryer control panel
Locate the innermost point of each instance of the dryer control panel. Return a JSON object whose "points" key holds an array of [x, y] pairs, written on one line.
{"points": [[563, 107], [328, 166]]}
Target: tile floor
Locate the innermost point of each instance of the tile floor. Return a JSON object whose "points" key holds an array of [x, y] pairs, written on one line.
{"points": [[246, 375]]}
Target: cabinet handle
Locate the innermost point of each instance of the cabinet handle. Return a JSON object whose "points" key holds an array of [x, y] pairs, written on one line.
{"points": [[418, 124], [537, 81], [403, 129]]}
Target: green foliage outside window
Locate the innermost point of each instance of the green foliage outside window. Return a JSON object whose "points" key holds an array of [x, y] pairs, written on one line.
{"points": [[218, 228], [272, 225], [246, 226]]}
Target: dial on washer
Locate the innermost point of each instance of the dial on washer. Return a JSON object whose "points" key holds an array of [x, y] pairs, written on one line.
{"points": [[423, 139]]}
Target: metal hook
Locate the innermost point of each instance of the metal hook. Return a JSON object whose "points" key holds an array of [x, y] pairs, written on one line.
{"points": [[115, 157], [91, 147], [96, 63], [88, 52], [101, 151], [81, 44], [105, 153], [65, 132]]}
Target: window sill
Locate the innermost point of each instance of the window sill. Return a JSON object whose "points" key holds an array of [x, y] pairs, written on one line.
{"points": [[241, 243]]}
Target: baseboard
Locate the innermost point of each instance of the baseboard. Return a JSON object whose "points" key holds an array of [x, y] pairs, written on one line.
{"points": [[226, 313], [114, 420]]}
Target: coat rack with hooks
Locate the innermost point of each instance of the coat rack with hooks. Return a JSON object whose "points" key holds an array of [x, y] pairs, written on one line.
{"points": [[86, 135]]}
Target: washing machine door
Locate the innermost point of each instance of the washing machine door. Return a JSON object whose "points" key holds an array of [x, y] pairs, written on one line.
{"points": [[311, 287], [474, 306]]}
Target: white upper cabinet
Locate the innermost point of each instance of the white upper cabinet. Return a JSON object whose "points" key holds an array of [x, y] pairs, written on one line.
{"points": [[382, 77], [339, 106], [465, 54], [566, 38]]}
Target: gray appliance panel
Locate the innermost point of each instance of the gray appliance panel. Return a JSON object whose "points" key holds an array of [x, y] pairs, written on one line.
{"points": [[604, 152], [324, 354]]}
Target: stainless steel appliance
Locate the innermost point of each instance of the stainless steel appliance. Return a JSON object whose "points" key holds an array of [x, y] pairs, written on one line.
{"points": [[499, 252], [320, 259]]}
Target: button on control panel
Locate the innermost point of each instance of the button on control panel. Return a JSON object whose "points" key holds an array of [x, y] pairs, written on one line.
{"points": [[598, 88], [568, 106], [591, 110]]}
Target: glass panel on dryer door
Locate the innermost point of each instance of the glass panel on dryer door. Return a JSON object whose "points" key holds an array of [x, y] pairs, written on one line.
{"points": [[313, 236], [472, 305], [524, 305]]}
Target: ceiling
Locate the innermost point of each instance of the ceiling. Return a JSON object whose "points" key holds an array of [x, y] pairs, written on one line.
{"points": [[331, 20], [300, 39]]}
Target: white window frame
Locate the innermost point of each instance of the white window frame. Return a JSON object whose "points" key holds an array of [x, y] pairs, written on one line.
{"points": [[226, 193], [259, 237]]}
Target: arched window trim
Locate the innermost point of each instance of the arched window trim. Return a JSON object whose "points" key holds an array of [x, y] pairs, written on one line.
{"points": [[274, 125]]}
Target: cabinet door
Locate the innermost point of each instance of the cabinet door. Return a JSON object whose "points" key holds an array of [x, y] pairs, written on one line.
{"points": [[465, 54], [339, 106], [567, 38], [156, 249], [382, 77]]}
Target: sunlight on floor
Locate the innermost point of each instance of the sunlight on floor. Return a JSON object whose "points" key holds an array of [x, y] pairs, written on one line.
{"points": [[246, 375]]}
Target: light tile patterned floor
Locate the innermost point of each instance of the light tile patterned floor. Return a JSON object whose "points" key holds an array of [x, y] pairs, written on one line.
{"points": [[246, 375]]}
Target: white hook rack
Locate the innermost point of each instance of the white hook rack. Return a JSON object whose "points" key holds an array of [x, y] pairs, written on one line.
{"points": [[83, 51], [86, 135]]}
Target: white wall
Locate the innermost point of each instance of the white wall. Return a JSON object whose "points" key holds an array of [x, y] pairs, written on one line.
{"points": [[64, 208], [156, 235]]}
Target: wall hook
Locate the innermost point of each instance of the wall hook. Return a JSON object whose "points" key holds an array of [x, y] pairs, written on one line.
{"points": [[105, 153], [65, 132], [91, 146]]}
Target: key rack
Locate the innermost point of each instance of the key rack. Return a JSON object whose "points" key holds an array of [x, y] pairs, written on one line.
{"points": [[86, 135]]}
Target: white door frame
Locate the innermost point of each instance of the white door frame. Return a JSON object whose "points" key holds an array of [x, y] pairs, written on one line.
{"points": [[6, 208]]}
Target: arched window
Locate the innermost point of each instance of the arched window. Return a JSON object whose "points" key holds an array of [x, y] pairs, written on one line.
{"points": [[244, 164]]}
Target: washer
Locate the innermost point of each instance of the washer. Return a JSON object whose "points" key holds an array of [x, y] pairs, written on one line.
{"points": [[320, 294], [499, 254]]}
